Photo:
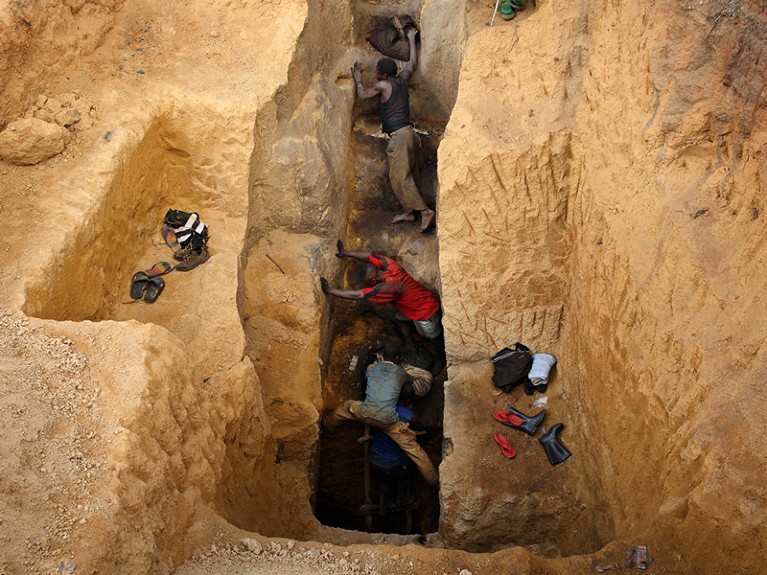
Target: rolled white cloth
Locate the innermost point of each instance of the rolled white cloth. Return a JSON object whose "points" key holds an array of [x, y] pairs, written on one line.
{"points": [[422, 379], [542, 364]]}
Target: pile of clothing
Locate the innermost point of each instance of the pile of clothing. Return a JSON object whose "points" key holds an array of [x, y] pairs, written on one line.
{"points": [[187, 236], [516, 365]]}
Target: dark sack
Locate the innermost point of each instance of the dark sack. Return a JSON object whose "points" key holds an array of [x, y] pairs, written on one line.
{"points": [[511, 366], [188, 227], [386, 39]]}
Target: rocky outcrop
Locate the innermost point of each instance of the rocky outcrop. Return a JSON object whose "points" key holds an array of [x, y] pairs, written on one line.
{"points": [[31, 141], [36, 137], [38, 40]]}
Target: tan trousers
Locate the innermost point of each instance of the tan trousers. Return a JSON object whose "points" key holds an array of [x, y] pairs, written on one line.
{"points": [[401, 153], [399, 431]]}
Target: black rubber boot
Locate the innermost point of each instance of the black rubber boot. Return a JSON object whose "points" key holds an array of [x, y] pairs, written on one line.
{"points": [[529, 424], [555, 451]]}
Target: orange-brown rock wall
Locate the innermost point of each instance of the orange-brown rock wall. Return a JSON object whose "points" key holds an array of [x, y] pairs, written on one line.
{"points": [[601, 198], [650, 246], [668, 272], [40, 40]]}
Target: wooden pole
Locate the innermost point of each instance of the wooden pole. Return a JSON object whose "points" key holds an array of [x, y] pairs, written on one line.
{"points": [[368, 495]]}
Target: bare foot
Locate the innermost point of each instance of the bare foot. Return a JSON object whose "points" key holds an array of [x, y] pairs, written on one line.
{"points": [[427, 217], [403, 217]]}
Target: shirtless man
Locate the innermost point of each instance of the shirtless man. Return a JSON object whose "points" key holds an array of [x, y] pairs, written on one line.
{"points": [[403, 141]]}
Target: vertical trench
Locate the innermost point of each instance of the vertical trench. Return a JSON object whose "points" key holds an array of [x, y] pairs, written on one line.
{"points": [[359, 328]]}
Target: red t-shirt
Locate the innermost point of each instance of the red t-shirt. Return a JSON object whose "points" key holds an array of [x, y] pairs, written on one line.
{"points": [[409, 297]]}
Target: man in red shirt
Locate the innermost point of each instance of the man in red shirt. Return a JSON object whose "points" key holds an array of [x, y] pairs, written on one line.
{"points": [[389, 283]]}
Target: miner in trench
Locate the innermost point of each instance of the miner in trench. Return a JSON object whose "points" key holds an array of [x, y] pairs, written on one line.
{"points": [[389, 283], [403, 141], [385, 379], [390, 466]]}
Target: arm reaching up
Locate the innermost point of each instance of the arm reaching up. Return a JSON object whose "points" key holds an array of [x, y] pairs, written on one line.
{"points": [[412, 64], [342, 253]]}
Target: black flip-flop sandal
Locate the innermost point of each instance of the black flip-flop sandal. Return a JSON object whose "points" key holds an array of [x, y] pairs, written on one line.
{"points": [[154, 289], [138, 285], [159, 269]]}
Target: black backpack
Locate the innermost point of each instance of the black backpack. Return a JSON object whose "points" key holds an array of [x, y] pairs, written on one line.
{"points": [[188, 228], [511, 366]]}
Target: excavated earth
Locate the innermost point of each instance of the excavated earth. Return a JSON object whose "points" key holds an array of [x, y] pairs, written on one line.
{"points": [[599, 172]]}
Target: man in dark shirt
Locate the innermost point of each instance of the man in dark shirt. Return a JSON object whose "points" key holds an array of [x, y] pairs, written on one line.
{"points": [[386, 457], [403, 141]]}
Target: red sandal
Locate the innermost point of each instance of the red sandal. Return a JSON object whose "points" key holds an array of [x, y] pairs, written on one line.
{"points": [[508, 418], [506, 447]]}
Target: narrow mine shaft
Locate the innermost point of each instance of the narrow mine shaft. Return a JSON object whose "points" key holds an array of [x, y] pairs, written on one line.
{"points": [[346, 496], [342, 499]]}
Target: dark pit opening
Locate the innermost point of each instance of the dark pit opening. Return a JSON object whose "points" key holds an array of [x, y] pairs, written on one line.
{"points": [[342, 500]]}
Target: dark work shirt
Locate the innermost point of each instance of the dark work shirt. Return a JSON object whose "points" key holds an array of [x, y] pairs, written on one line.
{"points": [[395, 112]]}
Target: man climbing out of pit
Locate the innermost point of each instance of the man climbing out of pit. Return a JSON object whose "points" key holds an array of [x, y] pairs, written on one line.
{"points": [[384, 383], [390, 283], [403, 141]]}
